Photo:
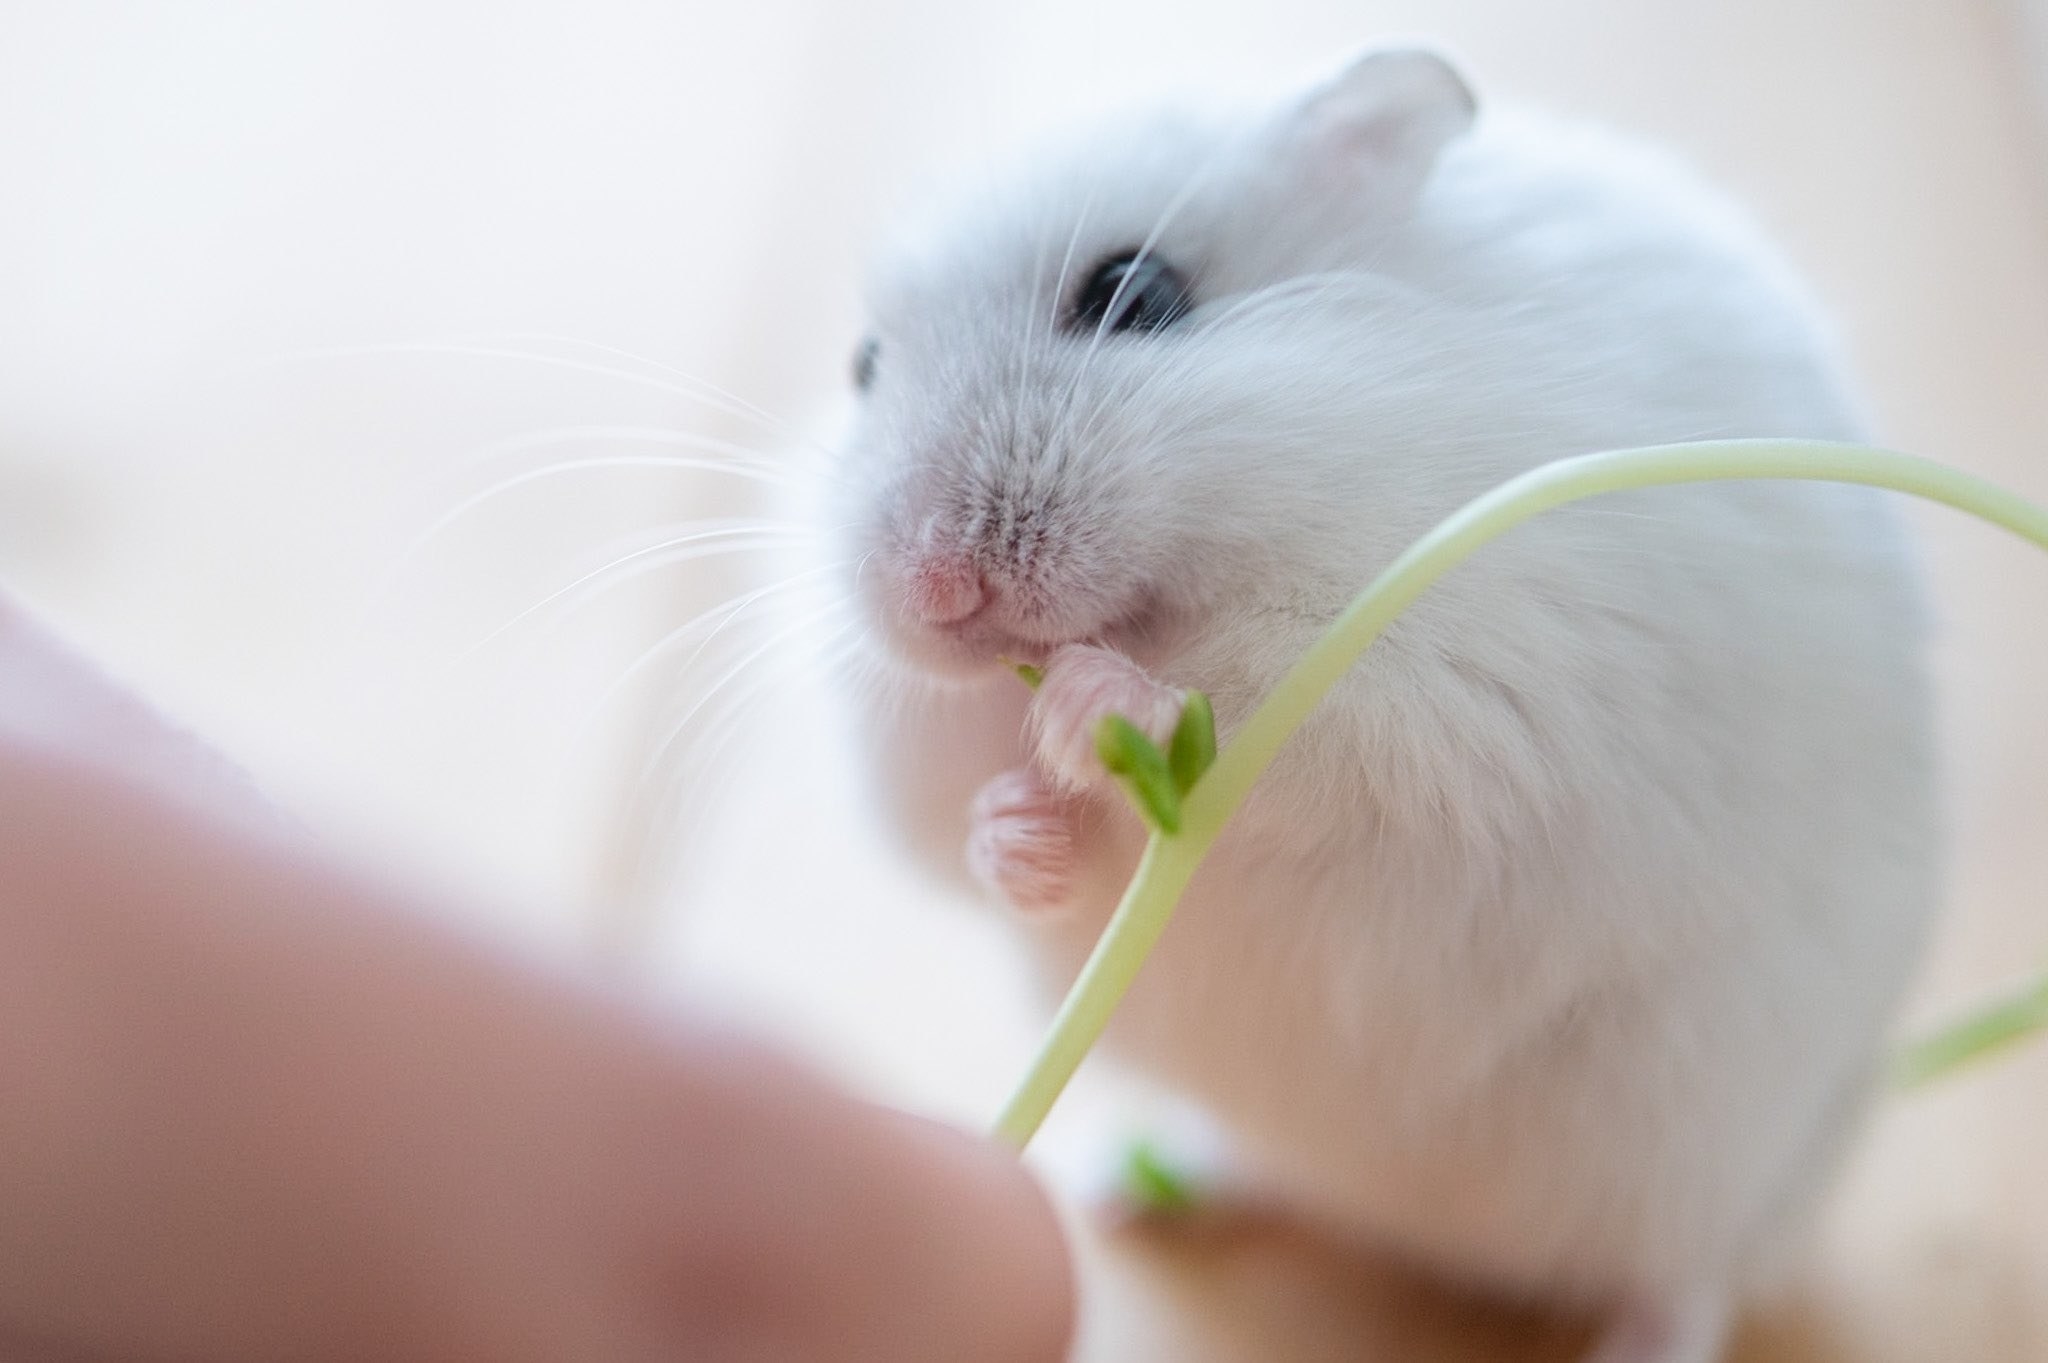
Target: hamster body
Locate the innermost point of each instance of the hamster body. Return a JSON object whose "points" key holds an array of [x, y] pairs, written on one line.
{"points": [[1557, 950]]}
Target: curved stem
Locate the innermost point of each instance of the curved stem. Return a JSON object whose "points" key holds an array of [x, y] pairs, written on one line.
{"points": [[1169, 863]]}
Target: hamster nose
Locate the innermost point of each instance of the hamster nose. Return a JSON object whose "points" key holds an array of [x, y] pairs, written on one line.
{"points": [[944, 588]]}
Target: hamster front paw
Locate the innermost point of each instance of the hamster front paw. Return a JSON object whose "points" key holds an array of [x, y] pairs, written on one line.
{"points": [[1083, 685], [1020, 842]]}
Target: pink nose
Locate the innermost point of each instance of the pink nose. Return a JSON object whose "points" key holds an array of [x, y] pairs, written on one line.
{"points": [[944, 588]]}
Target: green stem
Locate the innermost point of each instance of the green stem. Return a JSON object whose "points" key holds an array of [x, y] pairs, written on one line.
{"points": [[1977, 1036], [1169, 863]]}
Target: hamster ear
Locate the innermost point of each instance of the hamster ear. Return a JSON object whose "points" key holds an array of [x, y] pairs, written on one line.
{"points": [[1385, 119]]}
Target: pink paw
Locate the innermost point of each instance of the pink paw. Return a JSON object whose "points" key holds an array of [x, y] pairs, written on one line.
{"points": [[1083, 684], [1020, 842]]}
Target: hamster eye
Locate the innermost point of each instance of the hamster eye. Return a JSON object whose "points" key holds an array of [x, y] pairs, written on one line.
{"points": [[1146, 292], [864, 364]]}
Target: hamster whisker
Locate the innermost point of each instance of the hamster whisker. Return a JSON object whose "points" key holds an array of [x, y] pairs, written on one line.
{"points": [[711, 399], [859, 673], [592, 462], [1249, 307], [1321, 285], [675, 734], [1059, 288], [707, 757], [734, 403], [1180, 200], [1025, 353], [666, 553], [862, 666], [727, 612], [498, 451], [1023, 356]]}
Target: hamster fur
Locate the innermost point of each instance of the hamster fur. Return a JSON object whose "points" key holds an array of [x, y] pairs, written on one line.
{"points": [[1557, 951]]}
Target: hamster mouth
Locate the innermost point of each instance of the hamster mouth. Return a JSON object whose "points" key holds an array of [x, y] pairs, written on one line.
{"points": [[978, 648]]}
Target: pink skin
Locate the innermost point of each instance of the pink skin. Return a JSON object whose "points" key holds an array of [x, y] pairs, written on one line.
{"points": [[944, 589], [260, 1106], [1021, 839]]}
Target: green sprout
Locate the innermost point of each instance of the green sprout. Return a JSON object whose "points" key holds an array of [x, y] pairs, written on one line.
{"points": [[1157, 781], [1153, 1185], [1141, 769], [1201, 811], [1192, 749]]}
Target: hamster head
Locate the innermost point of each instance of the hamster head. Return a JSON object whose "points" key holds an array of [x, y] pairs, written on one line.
{"points": [[1107, 399]]}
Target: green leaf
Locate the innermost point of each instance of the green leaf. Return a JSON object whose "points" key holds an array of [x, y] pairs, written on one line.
{"points": [[1034, 677], [1136, 761], [1153, 1185], [1193, 746]]}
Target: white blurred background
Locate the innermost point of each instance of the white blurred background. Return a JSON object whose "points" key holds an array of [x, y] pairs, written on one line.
{"points": [[248, 253]]}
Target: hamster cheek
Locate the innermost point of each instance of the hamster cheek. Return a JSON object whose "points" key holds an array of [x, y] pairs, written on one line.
{"points": [[1084, 684], [1020, 842]]}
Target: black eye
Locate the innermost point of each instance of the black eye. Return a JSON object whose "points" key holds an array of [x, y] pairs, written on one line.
{"points": [[1131, 293], [864, 364]]}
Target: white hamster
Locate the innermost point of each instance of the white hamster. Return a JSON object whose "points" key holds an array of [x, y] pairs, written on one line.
{"points": [[1557, 951]]}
